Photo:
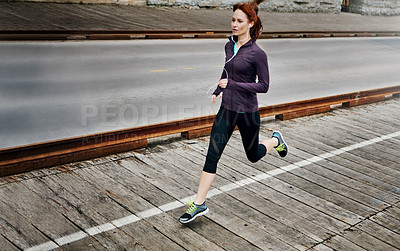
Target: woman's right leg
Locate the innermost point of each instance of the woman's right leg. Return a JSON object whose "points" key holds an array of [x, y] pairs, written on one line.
{"points": [[223, 127], [206, 179]]}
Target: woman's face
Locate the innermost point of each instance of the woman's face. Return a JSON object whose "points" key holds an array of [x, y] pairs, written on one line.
{"points": [[240, 23]]}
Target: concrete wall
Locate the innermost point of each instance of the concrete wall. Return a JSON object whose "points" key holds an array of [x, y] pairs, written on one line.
{"points": [[375, 7], [367, 7], [326, 6], [331, 6], [121, 2]]}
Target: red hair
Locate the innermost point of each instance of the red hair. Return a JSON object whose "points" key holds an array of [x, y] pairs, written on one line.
{"points": [[251, 10]]}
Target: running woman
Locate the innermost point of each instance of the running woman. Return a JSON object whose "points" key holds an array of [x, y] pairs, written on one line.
{"points": [[245, 62]]}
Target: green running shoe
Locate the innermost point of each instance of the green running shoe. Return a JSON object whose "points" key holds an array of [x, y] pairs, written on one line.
{"points": [[193, 212], [282, 148]]}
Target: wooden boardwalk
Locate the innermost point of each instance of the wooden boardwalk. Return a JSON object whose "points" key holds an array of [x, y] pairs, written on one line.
{"points": [[338, 189]]}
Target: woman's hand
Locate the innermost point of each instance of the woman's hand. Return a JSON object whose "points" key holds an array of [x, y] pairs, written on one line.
{"points": [[223, 83], [214, 98]]}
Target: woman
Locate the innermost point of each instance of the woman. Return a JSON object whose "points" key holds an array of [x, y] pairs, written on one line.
{"points": [[245, 62]]}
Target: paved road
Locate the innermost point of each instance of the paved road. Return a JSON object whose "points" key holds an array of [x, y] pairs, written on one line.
{"points": [[52, 90]]}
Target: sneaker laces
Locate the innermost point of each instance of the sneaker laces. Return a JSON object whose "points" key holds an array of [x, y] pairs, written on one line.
{"points": [[280, 148], [192, 209]]}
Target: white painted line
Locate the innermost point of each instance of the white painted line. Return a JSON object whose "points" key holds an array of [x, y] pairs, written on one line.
{"points": [[213, 192], [276, 171], [289, 168], [302, 163], [171, 206], [326, 155], [315, 159], [149, 213], [337, 152], [100, 229], [125, 220], [262, 176], [229, 187], [245, 182]]}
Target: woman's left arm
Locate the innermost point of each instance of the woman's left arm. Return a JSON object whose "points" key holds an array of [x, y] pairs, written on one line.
{"points": [[262, 85]]}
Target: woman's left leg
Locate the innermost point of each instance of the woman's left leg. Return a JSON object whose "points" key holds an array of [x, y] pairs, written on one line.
{"points": [[249, 127]]}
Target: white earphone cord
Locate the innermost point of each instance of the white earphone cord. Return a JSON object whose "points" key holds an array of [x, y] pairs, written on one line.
{"points": [[234, 54]]}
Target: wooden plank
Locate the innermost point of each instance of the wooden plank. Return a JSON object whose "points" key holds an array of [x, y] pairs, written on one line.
{"points": [[385, 153], [339, 243], [321, 247], [105, 205], [394, 211], [314, 201], [164, 36], [244, 229], [351, 179], [380, 232], [182, 235], [388, 221], [363, 173], [352, 160], [376, 195], [245, 205], [114, 190], [150, 174], [366, 241], [367, 184], [290, 204], [385, 148], [169, 172], [346, 138], [80, 214], [95, 198], [26, 160], [301, 113], [219, 234], [364, 100], [107, 37], [196, 133], [16, 228], [37, 211], [6, 245], [325, 194], [346, 191], [134, 183]]}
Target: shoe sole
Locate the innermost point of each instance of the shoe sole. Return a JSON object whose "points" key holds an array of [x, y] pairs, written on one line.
{"points": [[197, 215], [283, 141]]}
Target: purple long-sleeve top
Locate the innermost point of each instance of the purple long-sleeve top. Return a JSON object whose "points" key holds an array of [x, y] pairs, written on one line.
{"points": [[250, 63]]}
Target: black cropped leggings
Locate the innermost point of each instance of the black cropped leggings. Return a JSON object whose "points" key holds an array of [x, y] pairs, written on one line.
{"points": [[223, 127]]}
